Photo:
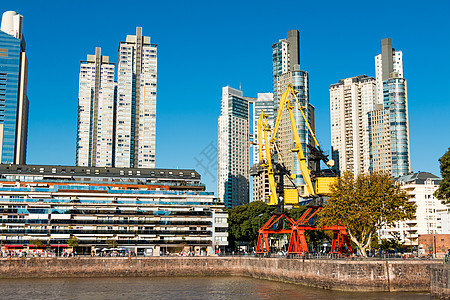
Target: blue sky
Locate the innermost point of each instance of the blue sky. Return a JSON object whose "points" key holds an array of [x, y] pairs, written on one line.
{"points": [[205, 45]]}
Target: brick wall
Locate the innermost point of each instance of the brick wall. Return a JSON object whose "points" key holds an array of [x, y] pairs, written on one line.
{"points": [[439, 243]]}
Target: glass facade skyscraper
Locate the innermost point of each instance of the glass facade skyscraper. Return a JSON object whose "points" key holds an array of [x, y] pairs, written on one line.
{"points": [[286, 70], [395, 101], [13, 90]]}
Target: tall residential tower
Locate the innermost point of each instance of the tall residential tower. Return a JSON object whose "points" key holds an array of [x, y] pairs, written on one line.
{"points": [[13, 90], [136, 103], [117, 120], [95, 134], [233, 148], [350, 101]]}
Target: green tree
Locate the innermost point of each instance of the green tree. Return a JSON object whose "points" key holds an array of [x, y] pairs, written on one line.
{"points": [[364, 204], [36, 242], [73, 241], [112, 243], [443, 192], [244, 222]]}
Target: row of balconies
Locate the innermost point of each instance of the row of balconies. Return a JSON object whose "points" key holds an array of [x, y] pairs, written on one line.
{"points": [[95, 232], [119, 241], [109, 212], [102, 222]]}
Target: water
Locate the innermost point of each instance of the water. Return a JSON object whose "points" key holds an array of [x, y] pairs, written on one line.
{"points": [[177, 288]]}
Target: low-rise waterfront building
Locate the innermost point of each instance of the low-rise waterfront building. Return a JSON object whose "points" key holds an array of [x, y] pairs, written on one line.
{"points": [[144, 210], [420, 188]]}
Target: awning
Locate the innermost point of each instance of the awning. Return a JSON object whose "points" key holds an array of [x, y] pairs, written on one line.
{"points": [[14, 246]]}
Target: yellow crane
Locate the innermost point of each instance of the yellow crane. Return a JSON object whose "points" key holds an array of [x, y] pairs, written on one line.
{"points": [[315, 187]]}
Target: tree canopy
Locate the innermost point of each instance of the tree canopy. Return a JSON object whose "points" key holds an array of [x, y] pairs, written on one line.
{"points": [[365, 203], [244, 222], [73, 241], [443, 192]]}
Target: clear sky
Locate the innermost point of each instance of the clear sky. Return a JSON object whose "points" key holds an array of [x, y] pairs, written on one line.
{"points": [[205, 45]]}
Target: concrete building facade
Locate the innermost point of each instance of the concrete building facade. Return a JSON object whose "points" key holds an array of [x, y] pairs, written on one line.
{"points": [[13, 90], [143, 210]]}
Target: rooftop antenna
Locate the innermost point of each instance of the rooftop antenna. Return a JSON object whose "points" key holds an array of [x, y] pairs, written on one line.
{"points": [[240, 86]]}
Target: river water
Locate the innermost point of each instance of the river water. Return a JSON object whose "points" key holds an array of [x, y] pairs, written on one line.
{"points": [[226, 287]]}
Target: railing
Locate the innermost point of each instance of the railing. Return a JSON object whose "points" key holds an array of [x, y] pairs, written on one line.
{"points": [[328, 256], [447, 259]]}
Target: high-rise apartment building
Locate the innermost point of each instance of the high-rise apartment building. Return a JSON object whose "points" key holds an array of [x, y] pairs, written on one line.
{"points": [[117, 120], [394, 98], [286, 70], [13, 90], [135, 143], [369, 118], [351, 100], [233, 148], [96, 104]]}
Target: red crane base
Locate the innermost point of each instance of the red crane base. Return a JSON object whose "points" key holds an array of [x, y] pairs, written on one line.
{"points": [[282, 223]]}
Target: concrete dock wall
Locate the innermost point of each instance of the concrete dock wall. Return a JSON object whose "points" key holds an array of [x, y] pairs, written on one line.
{"points": [[330, 274], [440, 281]]}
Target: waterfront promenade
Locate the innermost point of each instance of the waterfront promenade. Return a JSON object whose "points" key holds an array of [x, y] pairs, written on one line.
{"points": [[354, 275]]}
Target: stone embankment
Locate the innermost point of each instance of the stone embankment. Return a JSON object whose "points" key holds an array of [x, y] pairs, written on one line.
{"points": [[401, 275], [440, 281]]}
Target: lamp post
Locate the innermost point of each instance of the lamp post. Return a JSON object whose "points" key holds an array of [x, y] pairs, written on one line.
{"points": [[259, 227], [259, 221], [410, 237]]}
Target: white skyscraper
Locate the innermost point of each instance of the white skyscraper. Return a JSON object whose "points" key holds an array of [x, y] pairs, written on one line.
{"points": [[135, 144], [233, 148], [350, 101], [95, 134]]}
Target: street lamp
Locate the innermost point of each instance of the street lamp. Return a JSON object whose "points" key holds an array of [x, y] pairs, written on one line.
{"points": [[259, 221], [410, 237]]}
